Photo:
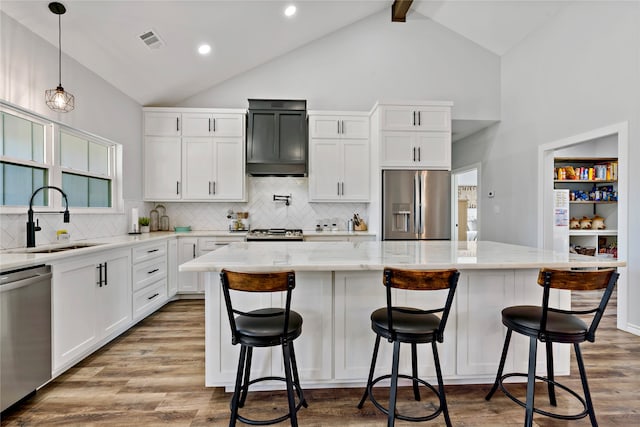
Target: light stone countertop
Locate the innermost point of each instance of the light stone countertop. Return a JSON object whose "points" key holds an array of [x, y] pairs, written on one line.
{"points": [[350, 256]]}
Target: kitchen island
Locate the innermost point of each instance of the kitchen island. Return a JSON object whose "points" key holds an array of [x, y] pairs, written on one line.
{"points": [[339, 284]]}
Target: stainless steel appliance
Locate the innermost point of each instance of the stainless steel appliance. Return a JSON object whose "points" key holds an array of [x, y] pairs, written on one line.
{"points": [[274, 235], [25, 332], [416, 205]]}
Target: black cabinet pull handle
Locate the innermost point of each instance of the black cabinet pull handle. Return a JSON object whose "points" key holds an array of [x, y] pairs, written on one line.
{"points": [[177, 187], [338, 190], [414, 118], [99, 267], [214, 124], [153, 271], [214, 187], [105, 274], [414, 154], [153, 296], [209, 125], [177, 124], [419, 119], [419, 155], [152, 251], [194, 250], [343, 188]]}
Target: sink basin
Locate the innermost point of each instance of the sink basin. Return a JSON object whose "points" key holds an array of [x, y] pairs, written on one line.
{"points": [[53, 249]]}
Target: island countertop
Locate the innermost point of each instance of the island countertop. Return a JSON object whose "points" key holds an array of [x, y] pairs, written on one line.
{"points": [[352, 256]]}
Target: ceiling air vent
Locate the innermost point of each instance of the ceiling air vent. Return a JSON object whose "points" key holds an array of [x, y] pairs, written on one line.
{"points": [[152, 39]]}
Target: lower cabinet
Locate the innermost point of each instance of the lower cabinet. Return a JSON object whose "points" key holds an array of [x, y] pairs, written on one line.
{"points": [[188, 282], [149, 278], [91, 303]]}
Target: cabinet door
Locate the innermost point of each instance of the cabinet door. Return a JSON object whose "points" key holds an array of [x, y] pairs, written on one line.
{"points": [[433, 118], [162, 123], [114, 296], [325, 169], [324, 126], [197, 168], [197, 124], [398, 149], [172, 268], [228, 125], [355, 180], [74, 327], [187, 281], [228, 160], [162, 168], [433, 150], [354, 127], [398, 118]]}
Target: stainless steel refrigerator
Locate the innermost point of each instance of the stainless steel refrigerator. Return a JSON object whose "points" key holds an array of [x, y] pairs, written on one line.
{"points": [[416, 205]]}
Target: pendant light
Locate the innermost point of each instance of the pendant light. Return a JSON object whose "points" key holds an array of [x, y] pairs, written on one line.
{"points": [[57, 99]]}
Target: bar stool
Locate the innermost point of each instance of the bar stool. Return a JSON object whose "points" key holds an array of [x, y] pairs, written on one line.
{"points": [[549, 325], [266, 327], [413, 326]]}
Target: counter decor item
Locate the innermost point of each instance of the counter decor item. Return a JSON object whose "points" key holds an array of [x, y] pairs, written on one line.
{"points": [[163, 224], [182, 229], [134, 227], [358, 223], [238, 221], [144, 224], [154, 220]]}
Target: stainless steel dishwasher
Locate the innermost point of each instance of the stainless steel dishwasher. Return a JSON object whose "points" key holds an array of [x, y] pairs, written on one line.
{"points": [[25, 327]]}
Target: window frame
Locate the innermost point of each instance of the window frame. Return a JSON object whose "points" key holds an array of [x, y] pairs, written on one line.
{"points": [[52, 163]]}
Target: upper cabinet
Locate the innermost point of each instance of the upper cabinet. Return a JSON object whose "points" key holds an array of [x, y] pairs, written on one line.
{"points": [[339, 156], [415, 135], [194, 155]]}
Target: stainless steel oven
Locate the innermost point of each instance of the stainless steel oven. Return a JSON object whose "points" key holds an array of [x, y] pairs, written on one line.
{"points": [[25, 328]]}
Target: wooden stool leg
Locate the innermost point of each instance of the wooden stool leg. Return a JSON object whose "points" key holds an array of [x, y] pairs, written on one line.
{"points": [[443, 399], [394, 384], [550, 375], [235, 399], [286, 350], [371, 371], [414, 370], [585, 386], [503, 358], [531, 381]]}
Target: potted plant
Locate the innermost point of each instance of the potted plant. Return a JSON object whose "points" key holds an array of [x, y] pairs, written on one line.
{"points": [[143, 221]]}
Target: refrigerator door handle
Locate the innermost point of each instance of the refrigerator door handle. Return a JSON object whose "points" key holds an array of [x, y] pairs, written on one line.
{"points": [[421, 204], [417, 208]]}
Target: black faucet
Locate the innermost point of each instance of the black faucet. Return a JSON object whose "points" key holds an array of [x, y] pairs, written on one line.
{"points": [[31, 226]]}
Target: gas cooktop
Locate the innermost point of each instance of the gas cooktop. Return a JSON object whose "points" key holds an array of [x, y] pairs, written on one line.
{"points": [[275, 234]]}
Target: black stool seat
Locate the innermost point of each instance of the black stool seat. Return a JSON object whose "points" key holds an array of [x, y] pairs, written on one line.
{"points": [[263, 327], [561, 327], [413, 326], [409, 324], [258, 330], [548, 325]]}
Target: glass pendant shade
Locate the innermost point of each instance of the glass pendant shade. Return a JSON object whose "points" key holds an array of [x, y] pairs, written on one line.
{"points": [[57, 99]]}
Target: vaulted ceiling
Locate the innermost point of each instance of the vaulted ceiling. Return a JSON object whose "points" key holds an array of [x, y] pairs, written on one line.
{"points": [[104, 35]]}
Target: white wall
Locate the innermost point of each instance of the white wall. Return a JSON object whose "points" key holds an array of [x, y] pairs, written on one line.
{"points": [[374, 59], [578, 73], [28, 67]]}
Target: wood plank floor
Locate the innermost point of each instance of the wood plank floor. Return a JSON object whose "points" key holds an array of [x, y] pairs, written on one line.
{"points": [[154, 375]]}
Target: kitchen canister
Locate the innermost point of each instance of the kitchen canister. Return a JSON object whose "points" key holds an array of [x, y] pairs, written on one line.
{"points": [[154, 220]]}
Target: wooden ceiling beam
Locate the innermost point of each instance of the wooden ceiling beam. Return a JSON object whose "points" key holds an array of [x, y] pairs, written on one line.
{"points": [[399, 10]]}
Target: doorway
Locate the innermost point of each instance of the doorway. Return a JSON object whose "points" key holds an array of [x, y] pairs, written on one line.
{"points": [[465, 205]]}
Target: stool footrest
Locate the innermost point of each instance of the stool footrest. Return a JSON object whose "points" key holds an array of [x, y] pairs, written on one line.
{"points": [[399, 416], [578, 416], [302, 402]]}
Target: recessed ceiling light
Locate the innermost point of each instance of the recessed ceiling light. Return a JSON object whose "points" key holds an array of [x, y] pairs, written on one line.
{"points": [[290, 10], [204, 49]]}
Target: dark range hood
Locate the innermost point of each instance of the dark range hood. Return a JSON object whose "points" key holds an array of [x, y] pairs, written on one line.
{"points": [[277, 137]]}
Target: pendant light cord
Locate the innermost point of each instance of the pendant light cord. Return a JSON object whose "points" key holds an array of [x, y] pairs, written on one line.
{"points": [[59, 51]]}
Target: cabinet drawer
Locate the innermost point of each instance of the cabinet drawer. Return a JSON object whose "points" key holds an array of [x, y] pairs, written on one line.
{"points": [[148, 272], [147, 252], [210, 244], [150, 297]]}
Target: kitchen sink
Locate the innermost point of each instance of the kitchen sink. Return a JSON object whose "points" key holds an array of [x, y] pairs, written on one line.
{"points": [[54, 249]]}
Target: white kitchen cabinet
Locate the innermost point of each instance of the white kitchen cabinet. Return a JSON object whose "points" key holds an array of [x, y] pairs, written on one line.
{"points": [[212, 124], [339, 157], [91, 304], [162, 123], [416, 150], [329, 237], [162, 168], [172, 268], [335, 125], [194, 155], [416, 117], [149, 273], [188, 282], [213, 168]]}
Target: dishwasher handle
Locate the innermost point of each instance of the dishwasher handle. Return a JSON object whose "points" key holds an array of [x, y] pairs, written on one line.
{"points": [[24, 282]]}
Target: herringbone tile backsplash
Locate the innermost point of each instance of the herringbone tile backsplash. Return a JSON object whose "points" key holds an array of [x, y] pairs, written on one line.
{"points": [[263, 213]]}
